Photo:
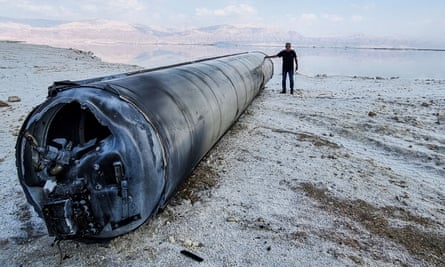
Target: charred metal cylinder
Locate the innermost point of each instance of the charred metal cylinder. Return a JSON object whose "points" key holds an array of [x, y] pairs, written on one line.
{"points": [[100, 156]]}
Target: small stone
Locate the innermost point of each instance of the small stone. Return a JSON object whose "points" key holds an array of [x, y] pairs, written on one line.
{"points": [[372, 114], [188, 243], [3, 104], [14, 99], [171, 239], [232, 219]]}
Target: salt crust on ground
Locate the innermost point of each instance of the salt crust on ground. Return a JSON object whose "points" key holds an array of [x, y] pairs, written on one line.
{"points": [[348, 171]]}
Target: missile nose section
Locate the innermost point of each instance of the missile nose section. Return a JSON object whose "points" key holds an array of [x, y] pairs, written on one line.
{"points": [[100, 156]]}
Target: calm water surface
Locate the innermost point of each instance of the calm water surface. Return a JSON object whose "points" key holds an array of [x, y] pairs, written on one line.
{"points": [[415, 64]]}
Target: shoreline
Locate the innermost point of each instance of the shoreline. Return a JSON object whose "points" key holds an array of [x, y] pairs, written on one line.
{"points": [[246, 44]]}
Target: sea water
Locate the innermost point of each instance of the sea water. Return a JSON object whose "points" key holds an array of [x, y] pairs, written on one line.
{"points": [[372, 62], [404, 63]]}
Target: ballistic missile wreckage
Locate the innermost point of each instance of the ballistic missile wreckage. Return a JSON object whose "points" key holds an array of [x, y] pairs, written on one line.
{"points": [[100, 156]]}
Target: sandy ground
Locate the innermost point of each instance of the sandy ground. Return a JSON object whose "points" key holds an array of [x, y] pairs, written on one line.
{"points": [[348, 171]]}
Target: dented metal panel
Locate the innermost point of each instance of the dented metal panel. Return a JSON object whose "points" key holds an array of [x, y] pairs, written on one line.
{"points": [[102, 155]]}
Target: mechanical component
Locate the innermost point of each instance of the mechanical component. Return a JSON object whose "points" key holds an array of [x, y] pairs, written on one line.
{"points": [[100, 156]]}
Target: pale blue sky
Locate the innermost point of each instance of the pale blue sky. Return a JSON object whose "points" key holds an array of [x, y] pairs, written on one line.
{"points": [[408, 18]]}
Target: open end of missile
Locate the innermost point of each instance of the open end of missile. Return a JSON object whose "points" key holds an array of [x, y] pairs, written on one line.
{"points": [[84, 164], [61, 163]]}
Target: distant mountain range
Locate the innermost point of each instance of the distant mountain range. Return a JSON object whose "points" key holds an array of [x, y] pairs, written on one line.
{"points": [[106, 31]]}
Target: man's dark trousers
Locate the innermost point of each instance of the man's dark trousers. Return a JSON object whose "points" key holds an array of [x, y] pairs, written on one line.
{"points": [[291, 80]]}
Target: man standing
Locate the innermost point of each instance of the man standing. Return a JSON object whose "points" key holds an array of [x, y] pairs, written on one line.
{"points": [[288, 55]]}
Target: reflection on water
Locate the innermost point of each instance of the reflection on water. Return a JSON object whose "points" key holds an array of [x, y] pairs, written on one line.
{"points": [[374, 63], [312, 61]]}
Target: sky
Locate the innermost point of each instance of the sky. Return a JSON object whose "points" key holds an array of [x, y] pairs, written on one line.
{"points": [[312, 18]]}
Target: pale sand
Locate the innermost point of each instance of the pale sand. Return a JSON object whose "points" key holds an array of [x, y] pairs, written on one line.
{"points": [[349, 171]]}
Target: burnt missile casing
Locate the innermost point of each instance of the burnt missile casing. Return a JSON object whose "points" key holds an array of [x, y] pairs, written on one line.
{"points": [[100, 156]]}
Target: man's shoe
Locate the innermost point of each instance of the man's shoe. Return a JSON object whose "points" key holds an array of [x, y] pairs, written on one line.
{"points": [[282, 92], [291, 92]]}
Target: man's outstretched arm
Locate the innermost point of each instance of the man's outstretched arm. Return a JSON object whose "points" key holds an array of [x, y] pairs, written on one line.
{"points": [[296, 63]]}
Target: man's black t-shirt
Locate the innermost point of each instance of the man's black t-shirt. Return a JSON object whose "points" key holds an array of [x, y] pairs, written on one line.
{"points": [[288, 59]]}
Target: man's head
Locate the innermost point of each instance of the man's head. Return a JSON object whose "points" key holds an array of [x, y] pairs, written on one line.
{"points": [[288, 46]]}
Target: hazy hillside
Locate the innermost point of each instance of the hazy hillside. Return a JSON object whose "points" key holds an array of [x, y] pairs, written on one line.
{"points": [[106, 31]]}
